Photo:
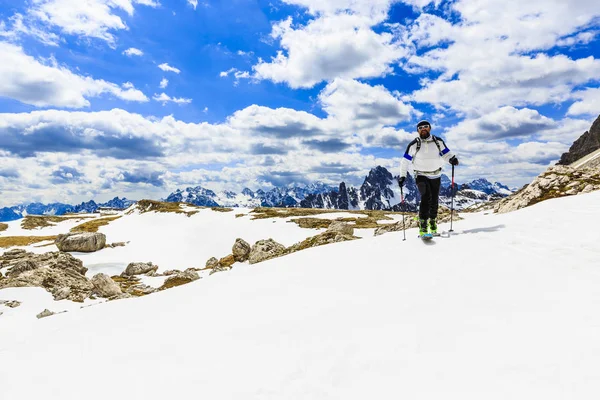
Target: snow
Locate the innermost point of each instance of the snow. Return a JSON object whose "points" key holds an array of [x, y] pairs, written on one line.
{"points": [[506, 308]]}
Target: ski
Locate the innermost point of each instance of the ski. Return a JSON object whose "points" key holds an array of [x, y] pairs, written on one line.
{"points": [[427, 236]]}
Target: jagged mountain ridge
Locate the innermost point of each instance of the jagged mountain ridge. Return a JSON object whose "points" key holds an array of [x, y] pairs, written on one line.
{"points": [[584, 145], [20, 211], [380, 191]]}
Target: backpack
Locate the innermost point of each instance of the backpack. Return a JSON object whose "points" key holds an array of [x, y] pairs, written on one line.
{"points": [[435, 140]]}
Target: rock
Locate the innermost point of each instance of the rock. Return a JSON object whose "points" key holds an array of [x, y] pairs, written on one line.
{"points": [[116, 244], [588, 188], [341, 227], [172, 271], [104, 286], [227, 261], [212, 263], [141, 290], [139, 268], [240, 250], [11, 304], [59, 273], [265, 250], [61, 293], [85, 242], [180, 278], [45, 313]]}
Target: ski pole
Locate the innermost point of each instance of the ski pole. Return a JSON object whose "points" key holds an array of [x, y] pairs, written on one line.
{"points": [[452, 202], [402, 202]]}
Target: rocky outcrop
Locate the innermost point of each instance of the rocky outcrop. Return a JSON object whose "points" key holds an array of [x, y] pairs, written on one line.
{"points": [[586, 144], [557, 181], [212, 263], [241, 250], [265, 250], [59, 273], [180, 278], [104, 286], [227, 261], [139, 268], [11, 303], [86, 242], [341, 227]]}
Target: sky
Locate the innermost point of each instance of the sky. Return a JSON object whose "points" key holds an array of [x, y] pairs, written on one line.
{"points": [[136, 98]]}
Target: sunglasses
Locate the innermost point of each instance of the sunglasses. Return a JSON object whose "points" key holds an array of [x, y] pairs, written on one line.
{"points": [[423, 127]]}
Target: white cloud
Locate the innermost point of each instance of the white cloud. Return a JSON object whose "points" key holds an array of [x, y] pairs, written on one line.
{"points": [[164, 98], [329, 47], [91, 18], [44, 84], [365, 105], [193, 3], [495, 54], [164, 83], [588, 104], [20, 28], [132, 51], [167, 68]]}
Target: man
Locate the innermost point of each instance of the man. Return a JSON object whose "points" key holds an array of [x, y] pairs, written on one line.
{"points": [[427, 154]]}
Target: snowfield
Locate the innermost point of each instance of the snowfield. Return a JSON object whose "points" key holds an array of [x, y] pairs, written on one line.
{"points": [[506, 308]]}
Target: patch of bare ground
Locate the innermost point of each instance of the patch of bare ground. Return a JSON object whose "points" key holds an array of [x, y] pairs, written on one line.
{"points": [[10, 241], [3, 227], [41, 221], [93, 225], [164, 207]]}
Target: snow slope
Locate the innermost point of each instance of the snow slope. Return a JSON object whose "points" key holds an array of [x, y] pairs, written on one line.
{"points": [[507, 308]]}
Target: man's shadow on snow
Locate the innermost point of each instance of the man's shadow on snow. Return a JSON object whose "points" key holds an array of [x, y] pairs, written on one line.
{"points": [[480, 230]]}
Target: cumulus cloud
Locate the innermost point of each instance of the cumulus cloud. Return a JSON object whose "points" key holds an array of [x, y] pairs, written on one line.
{"points": [[164, 98], [330, 46], [44, 83], [19, 28], [132, 51], [588, 102], [65, 174], [92, 19], [193, 3], [164, 83], [167, 68]]}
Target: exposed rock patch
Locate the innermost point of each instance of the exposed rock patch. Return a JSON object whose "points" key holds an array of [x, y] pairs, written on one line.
{"points": [[86, 242], [241, 250], [211, 263], [11, 303], [180, 278], [265, 250], [341, 227], [139, 268], [321, 239], [584, 145], [59, 273], [45, 313], [104, 286], [557, 181]]}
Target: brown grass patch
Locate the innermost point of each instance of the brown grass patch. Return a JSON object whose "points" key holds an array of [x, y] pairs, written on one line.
{"points": [[271, 212], [221, 209], [163, 206], [3, 227], [126, 284], [10, 241], [239, 215], [42, 221], [173, 282], [370, 221], [93, 225]]}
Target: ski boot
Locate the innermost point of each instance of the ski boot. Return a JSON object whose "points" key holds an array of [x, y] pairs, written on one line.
{"points": [[433, 226], [423, 233]]}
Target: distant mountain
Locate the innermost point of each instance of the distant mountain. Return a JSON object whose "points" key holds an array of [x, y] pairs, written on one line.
{"points": [[289, 196], [20, 211], [380, 191]]}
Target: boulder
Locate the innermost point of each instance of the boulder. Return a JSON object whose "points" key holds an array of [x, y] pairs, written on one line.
{"points": [[45, 313], [212, 263], [341, 227], [86, 242], [59, 273], [241, 250], [265, 250], [104, 286], [139, 268]]}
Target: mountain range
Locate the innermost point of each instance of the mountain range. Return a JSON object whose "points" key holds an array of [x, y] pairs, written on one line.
{"points": [[379, 191]]}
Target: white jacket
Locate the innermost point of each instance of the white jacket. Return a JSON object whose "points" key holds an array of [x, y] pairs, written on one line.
{"points": [[428, 161]]}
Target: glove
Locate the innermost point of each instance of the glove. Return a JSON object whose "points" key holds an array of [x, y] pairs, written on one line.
{"points": [[453, 161], [401, 180]]}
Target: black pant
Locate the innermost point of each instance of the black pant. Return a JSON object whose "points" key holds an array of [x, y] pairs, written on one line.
{"points": [[430, 193]]}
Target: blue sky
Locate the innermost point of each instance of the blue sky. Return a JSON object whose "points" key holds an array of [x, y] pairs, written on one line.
{"points": [[139, 97]]}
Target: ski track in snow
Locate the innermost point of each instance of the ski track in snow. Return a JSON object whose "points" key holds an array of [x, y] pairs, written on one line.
{"points": [[505, 308]]}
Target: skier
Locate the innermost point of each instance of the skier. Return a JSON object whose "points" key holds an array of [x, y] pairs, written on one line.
{"points": [[427, 153]]}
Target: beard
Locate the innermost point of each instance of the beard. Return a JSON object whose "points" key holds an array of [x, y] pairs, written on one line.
{"points": [[423, 134]]}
